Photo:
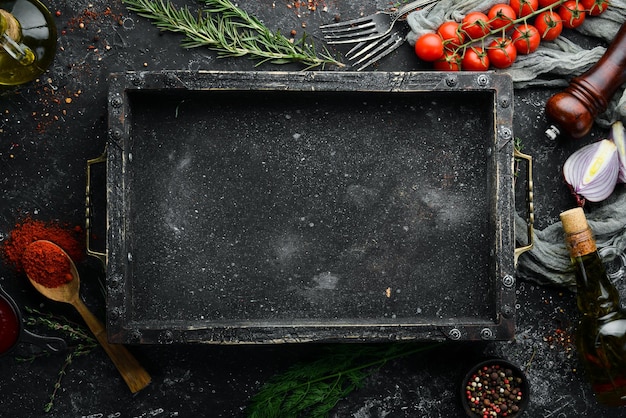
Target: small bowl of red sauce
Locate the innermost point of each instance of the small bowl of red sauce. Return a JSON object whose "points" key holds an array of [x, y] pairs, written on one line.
{"points": [[12, 331], [10, 326]]}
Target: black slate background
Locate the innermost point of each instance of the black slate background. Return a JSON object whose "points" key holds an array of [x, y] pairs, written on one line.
{"points": [[44, 145]]}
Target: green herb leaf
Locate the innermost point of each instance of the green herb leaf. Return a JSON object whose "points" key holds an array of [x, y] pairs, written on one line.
{"points": [[313, 389], [231, 32], [85, 342]]}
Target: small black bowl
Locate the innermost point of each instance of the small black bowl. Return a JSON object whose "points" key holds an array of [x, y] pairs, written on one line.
{"points": [[495, 385], [13, 332]]}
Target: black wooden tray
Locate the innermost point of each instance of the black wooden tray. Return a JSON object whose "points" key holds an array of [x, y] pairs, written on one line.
{"points": [[265, 207]]}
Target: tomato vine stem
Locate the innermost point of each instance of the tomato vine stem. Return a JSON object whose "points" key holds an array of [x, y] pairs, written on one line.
{"points": [[493, 32]]}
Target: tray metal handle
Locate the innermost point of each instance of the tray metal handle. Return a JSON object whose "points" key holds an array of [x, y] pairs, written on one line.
{"points": [[530, 219], [99, 255]]}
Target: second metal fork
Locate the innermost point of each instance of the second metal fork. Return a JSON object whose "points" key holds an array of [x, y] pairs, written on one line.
{"points": [[366, 53], [369, 27]]}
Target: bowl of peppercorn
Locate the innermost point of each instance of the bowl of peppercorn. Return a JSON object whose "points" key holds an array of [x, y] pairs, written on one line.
{"points": [[495, 388]]}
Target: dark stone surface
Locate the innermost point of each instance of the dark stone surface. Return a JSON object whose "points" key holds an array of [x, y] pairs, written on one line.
{"points": [[48, 130]]}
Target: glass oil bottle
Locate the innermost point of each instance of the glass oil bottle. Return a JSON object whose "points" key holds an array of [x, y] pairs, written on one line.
{"points": [[27, 40], [601, 333]]}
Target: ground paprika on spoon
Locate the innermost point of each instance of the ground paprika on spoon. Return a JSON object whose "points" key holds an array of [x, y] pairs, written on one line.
{"points": [[30, 230], [47, 264]]}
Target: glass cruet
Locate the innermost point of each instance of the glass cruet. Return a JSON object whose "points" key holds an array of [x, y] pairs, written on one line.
{"points": [[28, 39]]}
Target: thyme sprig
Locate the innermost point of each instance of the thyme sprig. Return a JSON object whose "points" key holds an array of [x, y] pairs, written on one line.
{"points": [[231, 32], [83, 343], [313, 389]]}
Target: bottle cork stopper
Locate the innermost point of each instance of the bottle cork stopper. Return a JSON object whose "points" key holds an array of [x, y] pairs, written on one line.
{"points": [[574, 221]]}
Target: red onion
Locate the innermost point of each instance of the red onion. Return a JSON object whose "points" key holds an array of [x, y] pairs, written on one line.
{"points": [[592, 171], [618, 136]]}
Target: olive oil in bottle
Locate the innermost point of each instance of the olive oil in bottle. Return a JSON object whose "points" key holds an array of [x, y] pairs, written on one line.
{"points": [[27, 40], [601, 333]]}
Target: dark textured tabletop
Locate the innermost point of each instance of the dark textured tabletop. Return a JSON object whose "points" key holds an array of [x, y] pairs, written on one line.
{"points": [[50, 127]]}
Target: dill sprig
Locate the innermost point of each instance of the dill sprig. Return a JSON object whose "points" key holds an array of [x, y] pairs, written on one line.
{"points": [[231, 32], [313, 389], [82, 341]]}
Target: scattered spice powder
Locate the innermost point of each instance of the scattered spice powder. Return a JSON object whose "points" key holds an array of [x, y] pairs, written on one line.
{"points": [[311, 5], [562, 339], [89, 16], [46, 264], [30, 230]]}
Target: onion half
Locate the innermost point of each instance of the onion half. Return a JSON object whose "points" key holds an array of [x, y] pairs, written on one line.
{"points": [[618, 136], [592, 171]]}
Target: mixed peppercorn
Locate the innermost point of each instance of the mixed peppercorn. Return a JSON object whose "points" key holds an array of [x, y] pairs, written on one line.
{"points": [[494, 391]]}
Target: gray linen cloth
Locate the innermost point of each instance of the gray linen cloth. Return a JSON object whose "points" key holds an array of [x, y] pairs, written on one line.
{"points": [[553, 64]]}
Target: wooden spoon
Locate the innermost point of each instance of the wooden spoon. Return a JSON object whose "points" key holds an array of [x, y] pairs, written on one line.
{"points": [[135, 376]]}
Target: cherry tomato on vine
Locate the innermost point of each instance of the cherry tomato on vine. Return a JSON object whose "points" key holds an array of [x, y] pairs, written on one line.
{"points": [[524, 7], [451, 34], [526, 38], [475, 25], [450, 61], [594, 7], [572, 13], [501, 15], [501, 53], [429, 47], [475, 59], [549, 25], [546, 3]]}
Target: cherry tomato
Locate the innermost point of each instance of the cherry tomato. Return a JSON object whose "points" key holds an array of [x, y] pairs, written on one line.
{"points": [[572, 13], [594, 7], [450, 61], [524, 7], [501, 15], [501, 53], [475, 59], [549, 25], [429, 47], [546, 3], [475, 25], [526, 38], [451, 34]]}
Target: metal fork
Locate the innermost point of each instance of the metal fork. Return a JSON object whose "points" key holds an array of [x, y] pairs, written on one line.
{"points": [[366, 53], [369, 27]]}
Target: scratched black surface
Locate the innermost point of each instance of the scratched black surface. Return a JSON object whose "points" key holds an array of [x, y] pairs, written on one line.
{"points": [[45, 141], [250, 190]]}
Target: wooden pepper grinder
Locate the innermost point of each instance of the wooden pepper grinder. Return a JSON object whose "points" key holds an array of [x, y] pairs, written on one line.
{"points": [[574, 109]]}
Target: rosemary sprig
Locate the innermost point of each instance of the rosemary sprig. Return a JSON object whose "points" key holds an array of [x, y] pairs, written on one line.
{"points": [[231, 32], [313, 389], [82, 339]]}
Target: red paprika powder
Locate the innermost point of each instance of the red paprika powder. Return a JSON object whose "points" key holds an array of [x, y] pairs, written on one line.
{"points": [[46, 264], [30, 230]]}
